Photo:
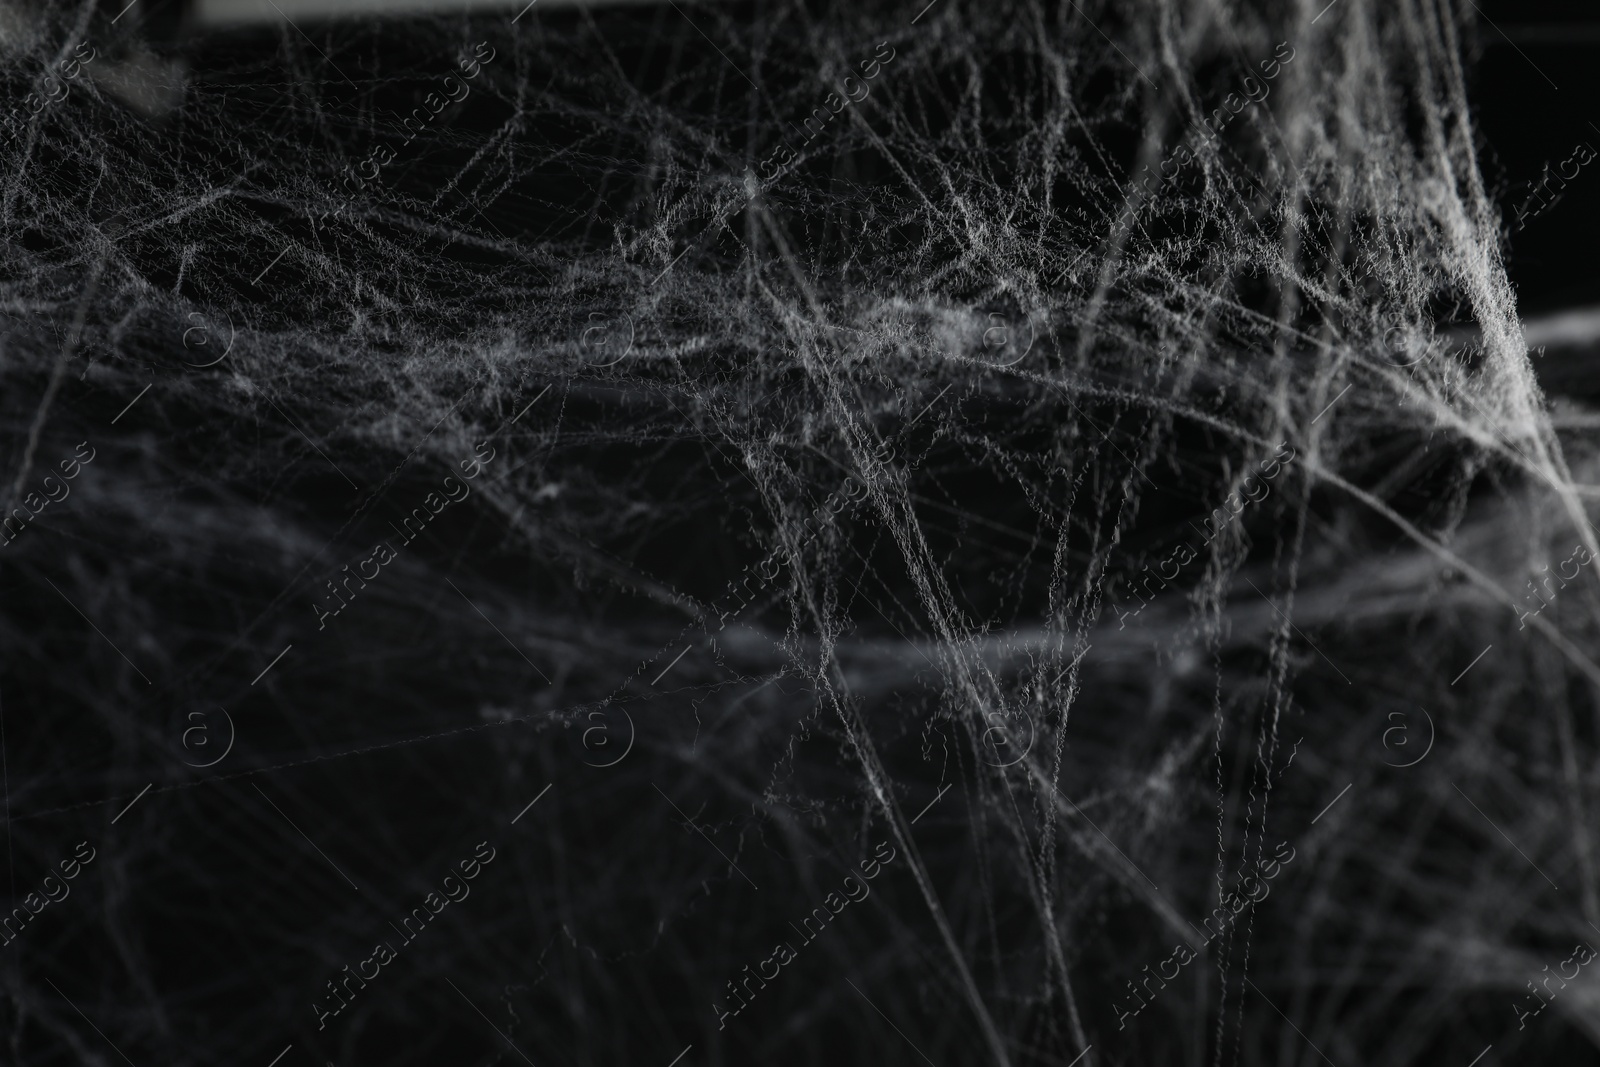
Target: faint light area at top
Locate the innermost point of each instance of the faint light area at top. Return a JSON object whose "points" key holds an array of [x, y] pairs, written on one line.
{"points": [[235, 12]]}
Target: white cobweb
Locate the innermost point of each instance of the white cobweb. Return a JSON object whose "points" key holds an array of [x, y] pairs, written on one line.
{"points": [[813, 509]]}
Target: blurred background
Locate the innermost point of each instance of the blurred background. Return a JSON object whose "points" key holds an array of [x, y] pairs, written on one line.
{"points": [[774, 470]]}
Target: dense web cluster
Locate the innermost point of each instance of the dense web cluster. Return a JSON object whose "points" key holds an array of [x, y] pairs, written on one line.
{"points": [[703, 454]]}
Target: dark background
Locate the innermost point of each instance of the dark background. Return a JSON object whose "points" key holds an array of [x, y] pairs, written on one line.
{"points": [[412, 730]]}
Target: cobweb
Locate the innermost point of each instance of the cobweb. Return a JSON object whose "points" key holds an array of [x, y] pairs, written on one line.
{"points": [[832, 508]]}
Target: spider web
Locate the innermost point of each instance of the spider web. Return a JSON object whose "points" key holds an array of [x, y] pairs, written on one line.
{"points": [[823, 509]]}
